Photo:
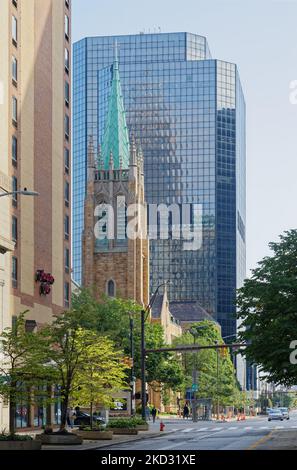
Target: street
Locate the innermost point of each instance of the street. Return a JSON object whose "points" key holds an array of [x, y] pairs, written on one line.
{"points": [[205, 435]]}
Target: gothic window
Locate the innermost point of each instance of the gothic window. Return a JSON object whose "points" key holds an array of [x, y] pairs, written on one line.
{"points": [[121, 218], [111, 288]]}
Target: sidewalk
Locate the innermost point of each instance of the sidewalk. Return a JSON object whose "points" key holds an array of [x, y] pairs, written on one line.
{"points": [[117, 439], [278, 440]]}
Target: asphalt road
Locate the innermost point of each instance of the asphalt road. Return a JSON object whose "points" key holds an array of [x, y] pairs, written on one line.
{"points": [[235, 435]]}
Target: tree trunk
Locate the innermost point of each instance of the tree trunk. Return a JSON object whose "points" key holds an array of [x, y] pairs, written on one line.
{"points": [[91, 415], [64, 406], [12, 411]]}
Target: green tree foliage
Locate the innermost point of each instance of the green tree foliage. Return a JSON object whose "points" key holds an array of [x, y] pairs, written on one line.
{"points": [[23, 366], [205, 362], [111, 317], [73, 349], [267, 306], [100, 371]]}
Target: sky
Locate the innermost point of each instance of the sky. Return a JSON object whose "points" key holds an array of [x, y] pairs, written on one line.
{"points": [[260, 37]]}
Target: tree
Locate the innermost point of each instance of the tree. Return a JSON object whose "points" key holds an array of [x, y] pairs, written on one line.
{"points": [[267, 305], [111, 316], [213, 382], [101, 371], [24, 365], [73, 349]]}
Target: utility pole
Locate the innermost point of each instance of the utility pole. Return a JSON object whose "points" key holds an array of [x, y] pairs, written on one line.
{"points": [[144, 313], [218, 383], [132, 365], [194, 405], [143, 390]]}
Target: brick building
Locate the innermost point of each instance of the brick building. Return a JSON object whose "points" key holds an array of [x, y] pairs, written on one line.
{"points": [[35, 109]]}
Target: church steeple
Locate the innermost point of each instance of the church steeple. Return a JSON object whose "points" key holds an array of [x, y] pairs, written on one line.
{"points": [[116, 138]]}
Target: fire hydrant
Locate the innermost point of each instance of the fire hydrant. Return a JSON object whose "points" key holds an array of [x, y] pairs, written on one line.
{"points": [[162, 426]]}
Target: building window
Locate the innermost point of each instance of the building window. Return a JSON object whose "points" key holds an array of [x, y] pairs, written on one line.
{"points": [[67, 193], [14, 110], [15, 3], [14, 189], [66, 160], [67, 126], [14, 228], [14, 150], [66, 60], [111, 288], [66, 294], [14, 70], [67, 3], [66, 227], [67, 27], [14, 272], [67, 93], [67, 260], [14, 30]]}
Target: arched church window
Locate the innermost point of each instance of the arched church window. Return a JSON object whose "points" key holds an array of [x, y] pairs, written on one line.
{"points": [[111, 288]]}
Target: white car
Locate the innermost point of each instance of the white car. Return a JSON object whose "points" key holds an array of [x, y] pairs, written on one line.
{"points": [[275, 414], [285, 412]]}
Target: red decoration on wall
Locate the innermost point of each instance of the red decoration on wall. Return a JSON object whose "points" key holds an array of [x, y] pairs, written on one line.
{"points": [[46, 280]]}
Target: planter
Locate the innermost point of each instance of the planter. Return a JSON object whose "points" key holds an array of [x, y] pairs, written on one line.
{"points": [[20, 445], [129, 431], [59, 439], [95, 435], [142, 427]]}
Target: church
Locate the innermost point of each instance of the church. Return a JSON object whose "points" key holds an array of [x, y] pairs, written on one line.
{"points": [[116, 259]]}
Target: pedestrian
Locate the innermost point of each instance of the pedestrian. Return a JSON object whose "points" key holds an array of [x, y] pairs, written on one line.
{"points": [[147, 413], [72, 417], [186, 411], [154, 413]]}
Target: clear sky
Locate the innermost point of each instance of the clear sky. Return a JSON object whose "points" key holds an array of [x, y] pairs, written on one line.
{"points": [[260, 36]]}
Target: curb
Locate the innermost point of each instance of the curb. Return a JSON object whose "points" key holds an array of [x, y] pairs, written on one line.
{"points": [[139, 438]]}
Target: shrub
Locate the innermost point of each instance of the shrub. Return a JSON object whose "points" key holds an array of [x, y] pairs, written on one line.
{"points": [[15, 437], [122, 423], [88, 428], [138, 420]]}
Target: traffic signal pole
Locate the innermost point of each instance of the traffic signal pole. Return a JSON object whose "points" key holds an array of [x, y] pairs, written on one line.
{"points": [[143, 352]]}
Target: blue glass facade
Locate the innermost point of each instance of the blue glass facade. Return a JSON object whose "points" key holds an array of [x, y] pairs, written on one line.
{"points": [[188, 112]]}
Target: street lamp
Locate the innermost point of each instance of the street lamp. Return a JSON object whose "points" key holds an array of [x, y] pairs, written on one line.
{"points": [[132, 382], [144, 314], [22, 192]]}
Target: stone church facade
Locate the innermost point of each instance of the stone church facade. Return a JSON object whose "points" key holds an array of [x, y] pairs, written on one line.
{"points": [[115, 261]]}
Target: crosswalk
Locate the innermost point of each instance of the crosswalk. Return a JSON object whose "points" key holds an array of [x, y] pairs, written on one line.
{"points": [[228, 428]]}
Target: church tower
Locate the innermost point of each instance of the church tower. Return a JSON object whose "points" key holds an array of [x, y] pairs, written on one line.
{"points": [[115, 243]]}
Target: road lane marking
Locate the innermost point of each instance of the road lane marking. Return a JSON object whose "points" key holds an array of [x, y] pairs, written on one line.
{"points": [[279, 427], [248, 427], [232, 428], [260, 441], [202, 429], [174, 445], [216, 429], [264, 427], [188, 430]]}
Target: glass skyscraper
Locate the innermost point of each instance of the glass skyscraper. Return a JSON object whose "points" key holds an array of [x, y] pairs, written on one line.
{"points": [[188, 112]]}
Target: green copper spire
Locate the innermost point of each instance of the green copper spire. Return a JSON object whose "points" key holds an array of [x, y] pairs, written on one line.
{"points": [[116, 138]]}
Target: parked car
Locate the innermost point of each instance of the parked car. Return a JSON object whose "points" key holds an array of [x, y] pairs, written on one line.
{"points": [[285, 412], [275, 414], [83, 419]]}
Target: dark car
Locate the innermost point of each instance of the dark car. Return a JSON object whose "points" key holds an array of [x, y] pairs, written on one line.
{"points": [[83, 419]]}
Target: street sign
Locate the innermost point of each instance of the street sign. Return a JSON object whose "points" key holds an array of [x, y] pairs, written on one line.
{"points": [[195, 388]]}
